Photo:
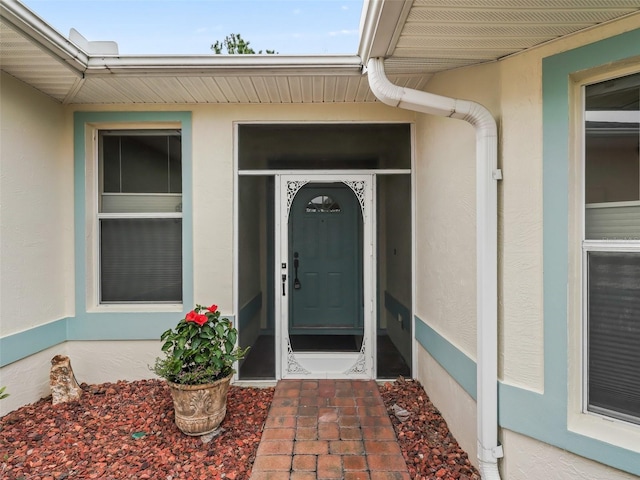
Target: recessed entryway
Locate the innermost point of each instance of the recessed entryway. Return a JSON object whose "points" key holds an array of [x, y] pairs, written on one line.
{"points": [[324, 252]]}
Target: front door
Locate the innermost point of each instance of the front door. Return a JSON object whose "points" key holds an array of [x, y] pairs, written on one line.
{"points": [[325, 250], [324, 278]]}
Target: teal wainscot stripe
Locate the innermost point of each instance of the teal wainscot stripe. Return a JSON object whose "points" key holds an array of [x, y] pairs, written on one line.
{"points": [[457, 364], [247, 312], [29, 342]]}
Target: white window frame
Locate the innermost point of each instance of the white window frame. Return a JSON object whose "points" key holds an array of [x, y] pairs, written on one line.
{"points": [[93, 217], [596, 425]]}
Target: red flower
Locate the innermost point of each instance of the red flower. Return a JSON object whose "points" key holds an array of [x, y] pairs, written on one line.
{"points": [[196, 318], [200, 320], [213, 308]]}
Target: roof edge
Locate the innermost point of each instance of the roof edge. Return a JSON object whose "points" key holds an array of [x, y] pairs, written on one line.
{"points": [[225, 64], [83, 61], [35, 28], [381, 24]]}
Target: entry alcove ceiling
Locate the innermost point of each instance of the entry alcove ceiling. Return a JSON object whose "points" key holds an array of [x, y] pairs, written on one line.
{"points": [[418, 38]]}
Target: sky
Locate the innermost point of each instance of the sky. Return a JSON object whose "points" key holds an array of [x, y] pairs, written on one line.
{"points": [[192, 26]]}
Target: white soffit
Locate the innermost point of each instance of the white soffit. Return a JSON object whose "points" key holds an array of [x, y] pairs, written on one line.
{"points": [[418, 38], [444, 34], [244, 89], [21, 58]]}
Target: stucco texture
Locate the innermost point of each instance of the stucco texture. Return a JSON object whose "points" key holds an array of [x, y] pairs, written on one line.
{"points": [[446, 210], [36, 209], [528, 459]]}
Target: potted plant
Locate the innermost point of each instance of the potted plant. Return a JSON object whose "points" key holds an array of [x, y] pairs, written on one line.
{"points": [[198, 365]]}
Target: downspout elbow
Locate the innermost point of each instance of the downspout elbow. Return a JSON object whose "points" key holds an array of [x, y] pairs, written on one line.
{"points": [[489, 471], [429, 103], [382, 88]]}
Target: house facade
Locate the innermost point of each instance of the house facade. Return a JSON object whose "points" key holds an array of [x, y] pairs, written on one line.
{"points": [[346, 225]]}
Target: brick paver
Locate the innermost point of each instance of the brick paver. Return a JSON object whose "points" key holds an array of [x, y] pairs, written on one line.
{"points": [[328, 429]]}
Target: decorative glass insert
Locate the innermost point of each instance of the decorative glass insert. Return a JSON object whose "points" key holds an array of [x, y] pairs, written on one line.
{"points": [[323, 204]]}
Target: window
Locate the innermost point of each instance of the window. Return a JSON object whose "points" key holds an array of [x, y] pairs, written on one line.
{"points": [[611, 248], [140, 216]]}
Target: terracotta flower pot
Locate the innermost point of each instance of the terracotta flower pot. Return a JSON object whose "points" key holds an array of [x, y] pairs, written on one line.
{"points": [[200, 409]]}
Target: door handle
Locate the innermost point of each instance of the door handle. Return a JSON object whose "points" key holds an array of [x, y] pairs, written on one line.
{"points": [[284, 284], [296, 263]]}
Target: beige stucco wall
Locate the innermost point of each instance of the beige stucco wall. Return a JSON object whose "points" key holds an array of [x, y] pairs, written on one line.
{"points": [[456, 406], [529, 459], [36, 209], [27, 380], [446, 209]]}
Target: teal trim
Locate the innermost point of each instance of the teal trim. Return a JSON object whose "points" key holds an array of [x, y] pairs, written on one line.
{"points": [[523, 411], [398, 309], [250, 309], [461, 368], [128, 325], [29, 342], [544, 416], [110, 326], [123, 326]]}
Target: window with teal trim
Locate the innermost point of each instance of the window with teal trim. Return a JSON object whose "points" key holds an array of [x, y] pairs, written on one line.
{"points": [[611, 247], [140, 216]]}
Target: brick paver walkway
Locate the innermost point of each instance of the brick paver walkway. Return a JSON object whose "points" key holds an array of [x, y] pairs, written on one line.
{"points": [[328, 429]]}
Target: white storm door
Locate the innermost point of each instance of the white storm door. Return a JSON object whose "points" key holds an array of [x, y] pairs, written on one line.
{"points": [[323, 221]]}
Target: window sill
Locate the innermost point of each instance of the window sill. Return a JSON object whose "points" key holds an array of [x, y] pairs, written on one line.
{"points": [[615, 432], [137, 308]]}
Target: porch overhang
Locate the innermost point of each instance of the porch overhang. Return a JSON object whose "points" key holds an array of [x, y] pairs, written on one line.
{"points": [[417, 38]]}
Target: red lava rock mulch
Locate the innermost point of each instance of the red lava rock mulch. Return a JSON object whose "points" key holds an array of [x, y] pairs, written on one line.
{"points": [[428, 447], [125, 430]]}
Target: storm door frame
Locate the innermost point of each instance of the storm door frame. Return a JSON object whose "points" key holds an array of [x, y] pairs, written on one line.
{"points": [[290, 364]]}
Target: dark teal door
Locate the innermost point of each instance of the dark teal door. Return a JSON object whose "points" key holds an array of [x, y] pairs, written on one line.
{"points": [[325, 251]]}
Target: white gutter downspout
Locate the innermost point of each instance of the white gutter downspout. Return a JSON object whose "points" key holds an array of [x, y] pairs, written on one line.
{"points": [[487, 175]]}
